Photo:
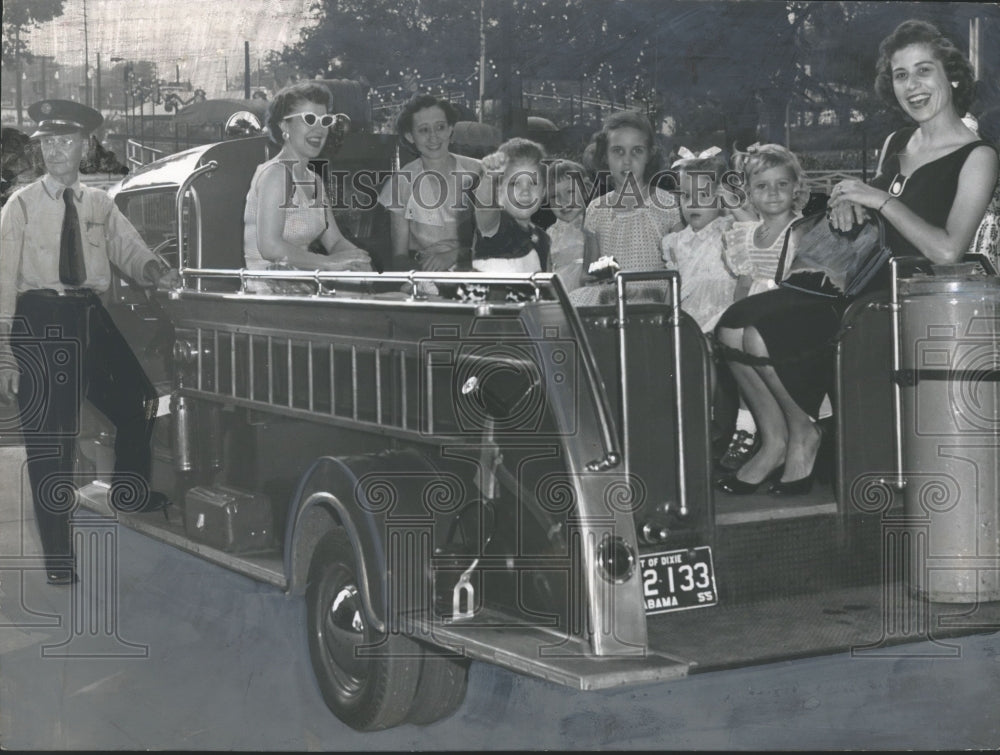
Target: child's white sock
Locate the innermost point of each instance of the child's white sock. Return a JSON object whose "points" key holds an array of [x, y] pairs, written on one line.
{"points": [[825, 409], [745, 421]]}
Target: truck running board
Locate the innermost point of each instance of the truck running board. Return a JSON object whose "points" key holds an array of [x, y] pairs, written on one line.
{"points": [[261, 567], [547, 654]]}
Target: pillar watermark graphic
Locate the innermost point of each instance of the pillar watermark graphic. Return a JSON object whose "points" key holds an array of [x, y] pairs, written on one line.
{"points": [[88, 624], [94, 611]]}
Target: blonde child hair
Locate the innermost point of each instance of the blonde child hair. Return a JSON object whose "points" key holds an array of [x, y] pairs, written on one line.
{"points": [[758, 157]]}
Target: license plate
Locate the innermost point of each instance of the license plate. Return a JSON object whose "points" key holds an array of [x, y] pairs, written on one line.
{"points": [[678, 580]]}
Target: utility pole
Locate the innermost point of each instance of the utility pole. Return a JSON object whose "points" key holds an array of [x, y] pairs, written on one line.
{"points": [[482, 58], [246, 70], [974, 47], [86, 58], [20, 74], [97, 92], [124, 98]]}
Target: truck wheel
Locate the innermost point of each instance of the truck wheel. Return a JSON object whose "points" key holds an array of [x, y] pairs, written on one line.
{"points": [[441, 688], [367, 678]]}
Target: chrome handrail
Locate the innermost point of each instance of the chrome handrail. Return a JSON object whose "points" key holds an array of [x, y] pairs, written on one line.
{"points": [[895, 263], [179, 207], [537, 281], [897, 364], [621, 279], [540, 282]]}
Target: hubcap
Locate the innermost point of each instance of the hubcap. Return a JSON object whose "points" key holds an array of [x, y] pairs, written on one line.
{"points": [[343, 633]]}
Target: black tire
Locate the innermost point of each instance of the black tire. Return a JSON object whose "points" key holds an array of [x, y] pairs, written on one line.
{"points": [[441, 689], [366, 693]]}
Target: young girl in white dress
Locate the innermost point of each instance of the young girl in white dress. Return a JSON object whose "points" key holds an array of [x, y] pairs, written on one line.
{"points": [[696, 251]]}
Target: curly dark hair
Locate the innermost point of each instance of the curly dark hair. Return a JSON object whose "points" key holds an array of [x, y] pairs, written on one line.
{"points": [[418, 102], [627, 119], [957, 67], [287, 98]]}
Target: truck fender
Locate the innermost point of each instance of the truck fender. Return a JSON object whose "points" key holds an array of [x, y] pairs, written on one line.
{"points": [[365, 495]]}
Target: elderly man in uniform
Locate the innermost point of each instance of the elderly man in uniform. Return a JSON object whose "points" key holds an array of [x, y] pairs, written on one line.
{"points": [[58, 344]]}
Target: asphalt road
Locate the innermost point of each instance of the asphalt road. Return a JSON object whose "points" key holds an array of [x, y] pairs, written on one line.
{"points": [[169, 652]]}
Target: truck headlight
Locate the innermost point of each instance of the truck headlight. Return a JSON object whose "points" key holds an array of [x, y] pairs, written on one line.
{"points": [[615, 559]]}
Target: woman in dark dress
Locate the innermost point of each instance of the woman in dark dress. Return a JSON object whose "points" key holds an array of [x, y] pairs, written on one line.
{"points": [[922, 170]]}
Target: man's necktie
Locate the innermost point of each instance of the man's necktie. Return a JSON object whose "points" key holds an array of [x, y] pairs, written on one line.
{"points": [[72, 269]]}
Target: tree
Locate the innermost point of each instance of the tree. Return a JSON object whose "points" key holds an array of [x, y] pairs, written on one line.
{"points": [[378, 40], [750, 59], [19, 15]]}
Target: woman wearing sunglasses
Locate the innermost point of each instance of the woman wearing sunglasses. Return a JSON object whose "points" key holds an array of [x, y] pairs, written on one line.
{"points": [[287, 223]]}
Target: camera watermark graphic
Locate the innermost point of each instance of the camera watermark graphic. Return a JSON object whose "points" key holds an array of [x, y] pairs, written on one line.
{"points": [[50, 383], [488, 382]]}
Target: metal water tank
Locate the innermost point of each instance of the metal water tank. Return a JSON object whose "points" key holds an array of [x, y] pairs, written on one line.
{"points": [[949, 330]]}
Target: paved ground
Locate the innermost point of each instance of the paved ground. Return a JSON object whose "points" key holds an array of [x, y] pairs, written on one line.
{"points": [[178, 654]]}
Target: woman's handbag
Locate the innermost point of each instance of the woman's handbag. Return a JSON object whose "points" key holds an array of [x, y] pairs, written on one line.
{"points": [[820, 260]]}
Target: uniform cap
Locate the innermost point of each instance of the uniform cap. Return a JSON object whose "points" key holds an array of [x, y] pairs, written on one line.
{"points": [[63, 117]]}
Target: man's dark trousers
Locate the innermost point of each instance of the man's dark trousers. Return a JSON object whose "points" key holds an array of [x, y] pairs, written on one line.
{"points": [[72, 350]]}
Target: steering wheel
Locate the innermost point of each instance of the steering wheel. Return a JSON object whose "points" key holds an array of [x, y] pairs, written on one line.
{"points": [[164, 254], [167, 253]]}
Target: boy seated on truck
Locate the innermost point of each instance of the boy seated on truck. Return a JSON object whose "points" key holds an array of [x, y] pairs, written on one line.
{"points": [[505, 240]]}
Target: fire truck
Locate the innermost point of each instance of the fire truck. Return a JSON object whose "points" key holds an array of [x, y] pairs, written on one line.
{"points": [[529, 484]]}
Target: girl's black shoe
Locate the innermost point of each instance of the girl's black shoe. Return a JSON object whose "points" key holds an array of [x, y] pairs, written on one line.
{"points": [[735, 486], [742, 447]]}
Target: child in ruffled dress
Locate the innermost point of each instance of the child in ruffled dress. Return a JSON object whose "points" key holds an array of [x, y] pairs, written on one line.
{"points": [[708, 286]]}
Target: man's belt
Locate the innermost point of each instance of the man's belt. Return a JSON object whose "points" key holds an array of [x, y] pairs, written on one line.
{"points": [[68, 292]]}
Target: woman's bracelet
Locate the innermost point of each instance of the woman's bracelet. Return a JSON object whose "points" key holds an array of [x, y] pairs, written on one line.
{"points": [[887, 200]]}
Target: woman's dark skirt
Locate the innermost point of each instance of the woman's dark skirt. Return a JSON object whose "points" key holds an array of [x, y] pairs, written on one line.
{"points": [[799, 331]]}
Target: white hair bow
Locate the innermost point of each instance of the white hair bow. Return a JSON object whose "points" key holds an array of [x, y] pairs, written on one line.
{"points": [[685, 154]]}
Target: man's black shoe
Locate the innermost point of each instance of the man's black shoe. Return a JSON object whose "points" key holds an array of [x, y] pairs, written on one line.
{"points": [[157, 501], [61, 576]]}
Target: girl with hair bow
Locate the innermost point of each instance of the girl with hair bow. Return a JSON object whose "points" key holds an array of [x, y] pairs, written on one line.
{"points": [[685, 154]]}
